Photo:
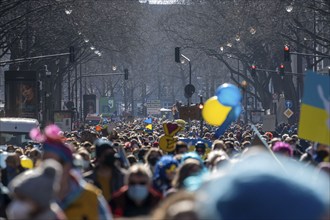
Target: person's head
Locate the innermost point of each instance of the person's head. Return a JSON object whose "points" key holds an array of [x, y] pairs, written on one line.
{"points": [[132, 159], [179, 206], [138, 180], [10, 148], [181, 147], [153, 155], [27, 92], [60, 152], [105, 152], [217, 158], [321, 153], [92, 152], [200, 148], [28, 147], [188, 168], [166, 168], [12, 160], [218, 145], [283, 148], [290, 141], [245, 144], [269, 135], [273, 141], [284, 136], [54, 147], [141, 154], [84, 153], [33, 191], [19, 152], [87, 145], [295, 138]]}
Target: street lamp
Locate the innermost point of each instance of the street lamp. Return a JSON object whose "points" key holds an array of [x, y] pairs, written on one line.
{"points": [[289, 8], [68, 11]]}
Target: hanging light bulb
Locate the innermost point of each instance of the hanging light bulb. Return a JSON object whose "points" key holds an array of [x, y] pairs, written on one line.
{"points": [[86, 40], [79, 32], [252, 30], [237, 38], [68, 11], [114, 67], [221, 48], [289, 8], [92, 48], [229, 44]]}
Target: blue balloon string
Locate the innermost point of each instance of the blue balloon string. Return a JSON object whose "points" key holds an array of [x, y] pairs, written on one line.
{"points": [[232, 116]]}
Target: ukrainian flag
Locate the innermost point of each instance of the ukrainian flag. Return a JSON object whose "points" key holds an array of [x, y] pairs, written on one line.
{"points": [[314, 124], [149, 127]]}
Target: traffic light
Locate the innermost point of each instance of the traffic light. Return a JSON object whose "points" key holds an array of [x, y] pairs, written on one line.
{"points": [[126, 74], [71, 54], [287, 53], [177, 55], [253, 70], [281, 70]]}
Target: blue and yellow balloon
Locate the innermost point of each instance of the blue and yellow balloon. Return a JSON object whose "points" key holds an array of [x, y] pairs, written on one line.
{"points": [[214, 113], [229, 95]]}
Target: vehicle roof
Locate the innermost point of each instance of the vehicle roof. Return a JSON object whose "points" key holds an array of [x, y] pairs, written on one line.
{"points": [[27, 120], [17, 124]]}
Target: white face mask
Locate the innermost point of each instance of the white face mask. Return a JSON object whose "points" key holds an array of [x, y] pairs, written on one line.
{"points": [[19, 210]]}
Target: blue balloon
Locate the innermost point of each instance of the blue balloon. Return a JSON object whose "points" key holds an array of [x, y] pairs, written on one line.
{"points": [[232, 116], [228, 94], [236, 112]]}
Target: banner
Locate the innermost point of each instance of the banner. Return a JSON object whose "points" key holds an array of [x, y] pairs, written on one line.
{"points": [[89, 104], [21, 94], [107, 105], [63, 119], [314, 124]]}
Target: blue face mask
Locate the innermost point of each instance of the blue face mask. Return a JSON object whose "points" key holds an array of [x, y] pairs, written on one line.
{"points": [[138, 192]]}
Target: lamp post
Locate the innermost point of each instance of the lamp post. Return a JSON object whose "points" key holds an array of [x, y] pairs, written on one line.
{"points": [[201, 106], [244, 85]]}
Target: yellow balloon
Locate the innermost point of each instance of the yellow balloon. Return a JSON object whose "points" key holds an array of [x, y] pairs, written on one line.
{"points": [[26, 163], [214, 113]]}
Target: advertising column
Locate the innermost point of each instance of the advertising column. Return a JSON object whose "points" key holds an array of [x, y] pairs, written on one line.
{"points": [[89, 104], [21, 94]]}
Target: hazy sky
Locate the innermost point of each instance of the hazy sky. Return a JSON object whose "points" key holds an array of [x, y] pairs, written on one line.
{"points": [[159, 1]]}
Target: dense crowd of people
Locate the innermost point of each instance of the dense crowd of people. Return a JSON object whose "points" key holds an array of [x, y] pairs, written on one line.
{"points": [[123, 172]]}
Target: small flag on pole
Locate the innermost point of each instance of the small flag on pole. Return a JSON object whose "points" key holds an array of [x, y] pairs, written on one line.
{"points": [[149, 127], [148, 121]]}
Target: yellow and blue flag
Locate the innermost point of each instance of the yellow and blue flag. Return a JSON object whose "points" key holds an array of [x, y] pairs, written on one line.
{"points": [[314, 124], [148, 121], [149, 127]]}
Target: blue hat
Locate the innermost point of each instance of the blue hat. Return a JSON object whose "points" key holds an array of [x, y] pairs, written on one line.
{"points": [[258, 188]]}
